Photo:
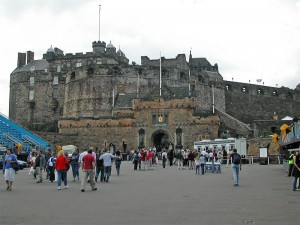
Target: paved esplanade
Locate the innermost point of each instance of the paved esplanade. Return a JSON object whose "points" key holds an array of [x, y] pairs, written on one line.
{"points": [[162, 196]]}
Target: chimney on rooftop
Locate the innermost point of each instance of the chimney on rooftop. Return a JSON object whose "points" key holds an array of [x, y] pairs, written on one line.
{"points": [[30, 56], [21, 59]]}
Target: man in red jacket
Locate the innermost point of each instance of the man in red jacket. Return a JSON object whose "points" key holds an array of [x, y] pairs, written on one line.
{"points": [[88, 168]]}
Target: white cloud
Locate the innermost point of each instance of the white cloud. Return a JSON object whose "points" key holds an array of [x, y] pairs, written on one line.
{"points": [[249, 39]]}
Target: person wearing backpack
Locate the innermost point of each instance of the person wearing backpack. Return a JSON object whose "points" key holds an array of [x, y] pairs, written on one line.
{"points": [[136, 159], [236, 166]]}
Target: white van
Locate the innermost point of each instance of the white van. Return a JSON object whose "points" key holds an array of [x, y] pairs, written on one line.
{"points": [[69, 149]]}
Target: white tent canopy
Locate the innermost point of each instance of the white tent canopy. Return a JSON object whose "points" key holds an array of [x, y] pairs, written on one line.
{"points": [[287, 118]]}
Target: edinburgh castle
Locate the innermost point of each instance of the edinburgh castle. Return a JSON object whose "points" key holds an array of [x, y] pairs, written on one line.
{"points": [[100, 99]]}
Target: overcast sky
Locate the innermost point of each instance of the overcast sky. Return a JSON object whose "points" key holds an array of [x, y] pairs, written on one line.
{"points": [[249, 39]]}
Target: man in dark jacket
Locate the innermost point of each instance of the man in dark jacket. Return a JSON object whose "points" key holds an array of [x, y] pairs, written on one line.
{"points": [[99, 166], [40, 163]]}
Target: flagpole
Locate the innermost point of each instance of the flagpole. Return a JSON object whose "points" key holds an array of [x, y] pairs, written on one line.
{"points": [[99, 22], [189, 82], [113, 101], [138, 85], [159, 73]]}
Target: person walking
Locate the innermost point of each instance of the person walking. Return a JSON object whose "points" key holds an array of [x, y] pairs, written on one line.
{"points": [[149, 157], [61, 168], [236, 166], [291, 163], [40, 163], [136, 159], [47, 157], [88, 170], [179, 158], [75, 165], [185, 158], [143, 159], [171, 157], [118, 161], [197, 163], [164, 156], [51, 167], [9, 172], [191, 158], [107, 161], [202, 163], [296, 171], [99, 167]]}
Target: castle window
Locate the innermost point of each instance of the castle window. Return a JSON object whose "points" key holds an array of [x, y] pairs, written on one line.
{"points": [[153, 118], [289, 95], [244, 90], [73, 75], [31, 95], [58, 68], [46, 70], [55, 93], [31, 81], [228, 87], [89, 62], [90, 71], [78, 64], [141, 138], [61, 111], [260, 91], [200, 79], [165, 73], [99, 62], [178, 137], [55, 80], [183, 76], [275, 93]]}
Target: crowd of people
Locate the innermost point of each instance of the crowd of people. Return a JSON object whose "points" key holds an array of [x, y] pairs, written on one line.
{"points": [[94, 164], [97, 165]]}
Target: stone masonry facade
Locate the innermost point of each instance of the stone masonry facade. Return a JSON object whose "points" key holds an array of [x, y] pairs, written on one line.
{"points": [[99, 99]]}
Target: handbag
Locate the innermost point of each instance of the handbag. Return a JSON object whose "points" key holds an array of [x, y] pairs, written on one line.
{"points": [[68, 166], [15, 166]]}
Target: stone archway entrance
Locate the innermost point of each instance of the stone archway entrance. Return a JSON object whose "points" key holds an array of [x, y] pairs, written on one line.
{"points": [[160, 139]]}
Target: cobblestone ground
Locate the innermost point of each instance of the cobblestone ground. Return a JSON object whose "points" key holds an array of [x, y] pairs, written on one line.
{"points": [[159, 196]]}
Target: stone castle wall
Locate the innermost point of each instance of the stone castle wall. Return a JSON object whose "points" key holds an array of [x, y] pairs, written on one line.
{"points": [[46, 105], [88, 82], [258, 110]]}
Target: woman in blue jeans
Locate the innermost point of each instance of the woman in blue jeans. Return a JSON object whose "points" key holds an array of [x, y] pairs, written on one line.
{"points": [[236, 166], [296, 171], [61, 168]]}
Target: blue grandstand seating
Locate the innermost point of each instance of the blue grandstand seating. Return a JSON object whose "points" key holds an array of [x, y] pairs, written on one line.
{"points": [[11, 133]]}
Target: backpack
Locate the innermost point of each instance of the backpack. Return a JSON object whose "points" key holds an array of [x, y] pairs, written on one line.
{"points": [[50, 162], [136, 157], [236, 159]]}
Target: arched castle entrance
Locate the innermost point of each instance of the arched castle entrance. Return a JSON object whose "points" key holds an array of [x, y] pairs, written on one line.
{"points": [[160, 139]]}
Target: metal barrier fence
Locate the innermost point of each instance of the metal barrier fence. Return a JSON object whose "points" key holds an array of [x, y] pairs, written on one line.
{"points": [[273, 159], [285, 165]]}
